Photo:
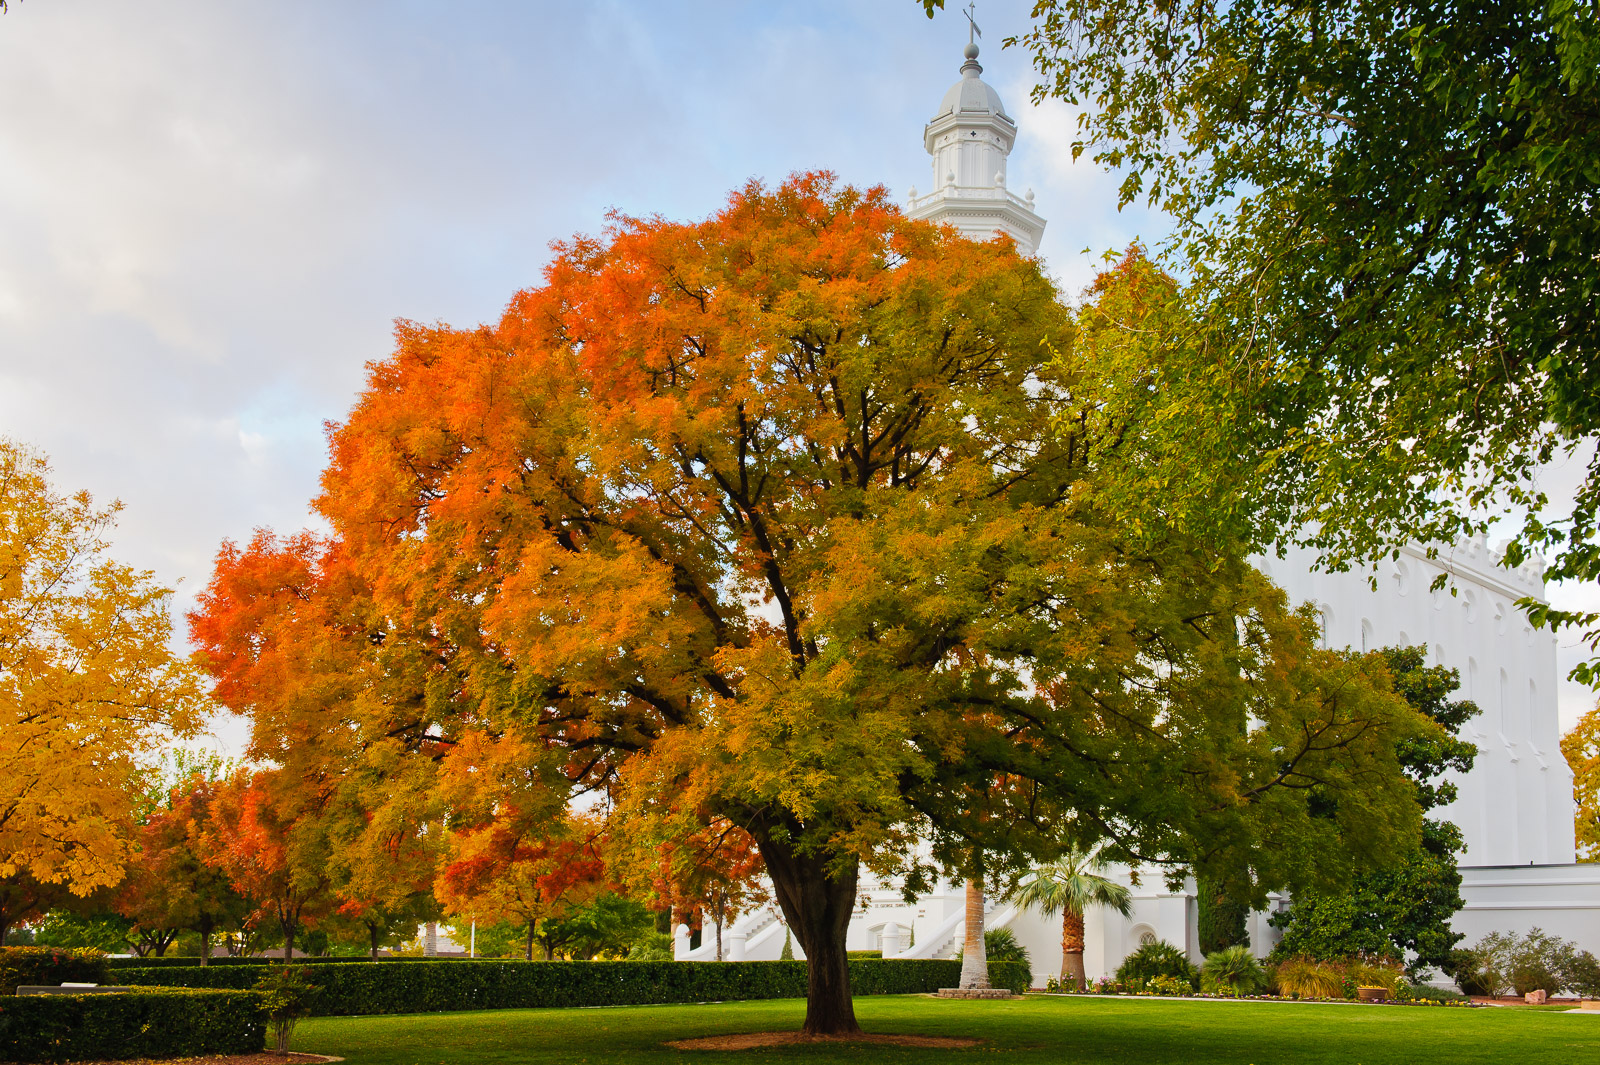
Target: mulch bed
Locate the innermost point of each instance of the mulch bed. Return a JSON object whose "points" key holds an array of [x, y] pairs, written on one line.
{"points": [[266, 1057], [757, 1040]]}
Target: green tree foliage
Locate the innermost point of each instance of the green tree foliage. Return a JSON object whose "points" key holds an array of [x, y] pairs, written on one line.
{"points": [[1221, 920], [97, 929], [604, 928], [1390, 216], [1404, 910]]}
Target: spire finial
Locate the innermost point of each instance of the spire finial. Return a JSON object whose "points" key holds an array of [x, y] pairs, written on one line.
{"points": [[973, 33]]}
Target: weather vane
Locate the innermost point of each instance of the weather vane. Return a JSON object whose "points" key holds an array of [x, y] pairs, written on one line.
{"points": [[973, 33]]}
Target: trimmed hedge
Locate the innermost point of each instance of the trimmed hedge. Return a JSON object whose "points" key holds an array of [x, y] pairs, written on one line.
{"points": [[228, 959], [49, 966], [153, 1024], [438, 987]]}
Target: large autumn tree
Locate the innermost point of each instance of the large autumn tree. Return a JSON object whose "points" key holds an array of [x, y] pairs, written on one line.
{"points": [[789, 516], [1389, 215], [88, 688]]}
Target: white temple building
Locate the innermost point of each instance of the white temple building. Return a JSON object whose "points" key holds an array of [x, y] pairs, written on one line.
{"points": [[1515, 808]]}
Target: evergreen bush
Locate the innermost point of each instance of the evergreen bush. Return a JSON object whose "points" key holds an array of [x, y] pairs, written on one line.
{"points": [[1157, 959], [151, 1024], [443, 986]]}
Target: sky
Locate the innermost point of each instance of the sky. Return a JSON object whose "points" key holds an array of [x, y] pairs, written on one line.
{"points": [[213, 212]]}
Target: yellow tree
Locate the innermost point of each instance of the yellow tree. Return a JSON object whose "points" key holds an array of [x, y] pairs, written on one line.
{"points": [[1582, 749], [88, 687]]}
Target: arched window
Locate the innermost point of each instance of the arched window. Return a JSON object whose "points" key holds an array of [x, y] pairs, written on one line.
{"points": [[1369, 642]]}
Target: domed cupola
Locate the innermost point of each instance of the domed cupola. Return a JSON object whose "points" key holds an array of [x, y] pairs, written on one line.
{"points": [[970, 138], [971, 93]]}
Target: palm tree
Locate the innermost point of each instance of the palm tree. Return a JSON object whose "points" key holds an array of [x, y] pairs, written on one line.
{"points": [[1069, 886], [974, 959]]}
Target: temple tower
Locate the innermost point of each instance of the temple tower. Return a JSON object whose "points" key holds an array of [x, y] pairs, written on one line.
{"points": [[970, 138]]}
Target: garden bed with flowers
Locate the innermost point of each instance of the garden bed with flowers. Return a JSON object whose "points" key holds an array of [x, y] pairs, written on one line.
{"points": [[1161, 970]]}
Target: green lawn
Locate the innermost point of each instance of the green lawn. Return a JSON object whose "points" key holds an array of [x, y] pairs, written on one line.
{"points": [[1083, 1031]]}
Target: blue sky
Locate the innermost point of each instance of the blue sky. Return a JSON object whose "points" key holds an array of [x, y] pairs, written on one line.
{"points": [[213, 212]]}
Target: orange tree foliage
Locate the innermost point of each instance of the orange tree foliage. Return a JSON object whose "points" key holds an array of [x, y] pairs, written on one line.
{"points": [[268, 837], [714, 871], [170, 887], [88, 687], [288, 633], [1581, 747], [534, 873], [789, 517]]}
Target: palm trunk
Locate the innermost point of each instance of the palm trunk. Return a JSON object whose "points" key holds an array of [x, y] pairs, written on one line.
{"points": [[974, 960], [1072, 949], [817, 905]]}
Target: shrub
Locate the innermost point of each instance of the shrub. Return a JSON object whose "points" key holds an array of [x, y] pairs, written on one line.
{"points": [[287, 994], [47, 966], [1535, 962], [153, 1024], [1304, 978], [1476, 969], [1157, 959], [1538, 962], [442, 986], [1233, 971], [1581, 974]]}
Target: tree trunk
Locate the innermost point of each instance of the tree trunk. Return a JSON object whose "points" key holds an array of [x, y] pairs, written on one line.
{"points": [[974, 960], [529, 953], [1072, 948], [5, 926], [372, 939], [205, 943], [288, 942], [817, 907]]}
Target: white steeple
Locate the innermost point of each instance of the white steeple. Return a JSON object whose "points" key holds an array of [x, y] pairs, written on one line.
{"points": [[969, 139]]}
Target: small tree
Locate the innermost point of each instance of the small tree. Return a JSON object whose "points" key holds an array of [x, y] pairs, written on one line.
{"points": [[504, 871], [287, 994], [1070, 886], [266, 835], [171, 886], [1402, 910]]}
